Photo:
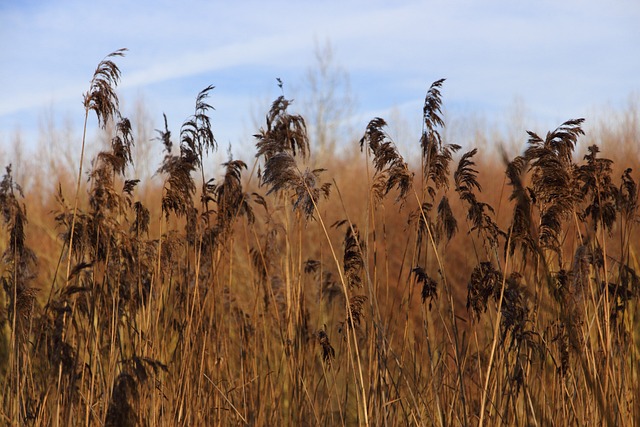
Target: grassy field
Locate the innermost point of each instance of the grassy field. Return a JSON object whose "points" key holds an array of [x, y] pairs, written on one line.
{"points": [[380, 291]]}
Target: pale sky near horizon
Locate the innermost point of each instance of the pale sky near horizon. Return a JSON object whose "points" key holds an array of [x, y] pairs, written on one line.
{"points": [[561, 59]]}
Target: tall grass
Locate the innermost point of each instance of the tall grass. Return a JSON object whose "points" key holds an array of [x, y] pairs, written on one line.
{"points": [[377, 290]]}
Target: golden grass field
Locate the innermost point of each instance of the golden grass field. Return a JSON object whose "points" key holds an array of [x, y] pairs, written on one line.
{"points": [[457, 288]]}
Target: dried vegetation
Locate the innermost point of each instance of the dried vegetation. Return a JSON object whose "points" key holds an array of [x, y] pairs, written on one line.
{"points": [[229, 301]]}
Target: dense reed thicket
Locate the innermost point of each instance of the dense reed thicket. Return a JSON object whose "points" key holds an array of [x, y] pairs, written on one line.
{"points": [[377, 290]]}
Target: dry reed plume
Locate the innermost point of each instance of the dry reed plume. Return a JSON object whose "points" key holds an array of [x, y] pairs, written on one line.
{"points": [[225, 301]]}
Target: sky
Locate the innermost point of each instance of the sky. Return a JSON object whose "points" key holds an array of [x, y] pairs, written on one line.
{"points": [[560, 59]]}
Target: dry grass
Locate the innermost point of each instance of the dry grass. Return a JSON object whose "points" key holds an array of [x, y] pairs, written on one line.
{"points": [[380, 291]]}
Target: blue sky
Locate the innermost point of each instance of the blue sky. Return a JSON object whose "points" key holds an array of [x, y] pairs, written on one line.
{"points": [[561, 59]]}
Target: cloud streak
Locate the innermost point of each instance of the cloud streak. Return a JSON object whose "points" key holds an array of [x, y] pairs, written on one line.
{"points": [[559, 57]]}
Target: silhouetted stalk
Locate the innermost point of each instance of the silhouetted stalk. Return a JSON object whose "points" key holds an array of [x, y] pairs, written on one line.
{"points": [[349, 315], [496, 330], [457, 351], [101, 99]]}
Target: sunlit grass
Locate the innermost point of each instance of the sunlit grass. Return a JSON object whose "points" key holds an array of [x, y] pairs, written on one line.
{"points": [[453, 289]]}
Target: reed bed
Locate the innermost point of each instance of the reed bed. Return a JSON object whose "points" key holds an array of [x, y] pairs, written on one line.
{"points": [[375, 290]]}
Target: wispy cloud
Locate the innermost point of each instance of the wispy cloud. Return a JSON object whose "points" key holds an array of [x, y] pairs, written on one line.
{"points": [[559, 57]]}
